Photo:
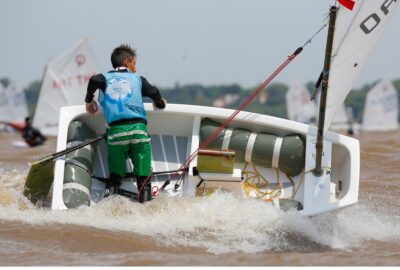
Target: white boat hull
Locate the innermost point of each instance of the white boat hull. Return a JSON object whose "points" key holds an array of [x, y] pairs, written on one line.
{"points": [[175, 135]]}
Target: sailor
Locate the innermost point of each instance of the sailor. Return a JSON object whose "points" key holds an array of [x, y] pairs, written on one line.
{"points": [[32, 136], [121, 98]]}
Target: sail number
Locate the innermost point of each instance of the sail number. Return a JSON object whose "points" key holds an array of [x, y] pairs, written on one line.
{"points": [[373, 20]]}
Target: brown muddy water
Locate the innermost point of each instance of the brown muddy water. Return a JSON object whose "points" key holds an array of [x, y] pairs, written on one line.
{"points": [[221, 230]]}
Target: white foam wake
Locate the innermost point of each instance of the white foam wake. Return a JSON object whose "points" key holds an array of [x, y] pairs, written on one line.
{"points": [[220, 223]]}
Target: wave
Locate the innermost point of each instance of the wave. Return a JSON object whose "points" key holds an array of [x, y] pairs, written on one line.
{"points": [[220, 223]]}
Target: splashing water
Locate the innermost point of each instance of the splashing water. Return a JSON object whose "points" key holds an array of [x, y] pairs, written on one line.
{"points": [[221, 223]]}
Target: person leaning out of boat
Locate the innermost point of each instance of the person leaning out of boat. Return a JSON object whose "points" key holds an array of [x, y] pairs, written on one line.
{"points": [[121, 98], [32, 136]]}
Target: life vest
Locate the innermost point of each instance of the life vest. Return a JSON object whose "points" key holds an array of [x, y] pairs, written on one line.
{"points": [[122, 98]]}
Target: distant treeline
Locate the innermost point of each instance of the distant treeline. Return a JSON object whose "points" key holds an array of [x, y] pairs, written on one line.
{"points": [[271, 101]]}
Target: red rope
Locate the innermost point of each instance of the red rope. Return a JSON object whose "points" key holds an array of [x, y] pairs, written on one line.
{"points": [[230, 118]]}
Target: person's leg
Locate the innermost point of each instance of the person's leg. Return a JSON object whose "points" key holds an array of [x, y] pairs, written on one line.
{"points": [[140, 154], [144, 189], [117, 155]]}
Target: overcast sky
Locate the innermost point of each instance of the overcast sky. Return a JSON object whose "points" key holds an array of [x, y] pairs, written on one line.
{"points": [[185, 41]]}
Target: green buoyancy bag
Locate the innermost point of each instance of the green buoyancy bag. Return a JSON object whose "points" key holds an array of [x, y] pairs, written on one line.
{"points": [[82, 156], [78, 166], [292, 155], [76, 188], [266, 150], [207, 127], [79, 131]]}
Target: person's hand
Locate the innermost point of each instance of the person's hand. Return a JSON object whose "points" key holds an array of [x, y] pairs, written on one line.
{"points": [[92, 107], [161, 105]]}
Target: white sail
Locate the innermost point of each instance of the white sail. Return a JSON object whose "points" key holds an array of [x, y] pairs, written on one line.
{"points": [[357, 32], [299, 106], [13, 105], [341, 120], [341, 115], [64, 84], [381, 108]]}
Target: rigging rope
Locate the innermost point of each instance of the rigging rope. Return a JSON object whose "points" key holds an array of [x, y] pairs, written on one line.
{"points": [[315, 34]]}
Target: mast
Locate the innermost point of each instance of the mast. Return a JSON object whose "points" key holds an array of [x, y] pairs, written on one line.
{"points": [[324, 91]]}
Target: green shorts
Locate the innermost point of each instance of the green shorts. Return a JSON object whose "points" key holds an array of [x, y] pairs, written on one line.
{"points": [[129, 141]]}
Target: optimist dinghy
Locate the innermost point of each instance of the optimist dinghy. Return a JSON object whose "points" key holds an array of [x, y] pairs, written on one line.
{"points": [[381, 108], [256, 156], [292, 165]]}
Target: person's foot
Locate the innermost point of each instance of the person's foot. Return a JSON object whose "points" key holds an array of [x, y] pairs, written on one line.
{"points": [[144, 192], [110, 189], [112, 185]]}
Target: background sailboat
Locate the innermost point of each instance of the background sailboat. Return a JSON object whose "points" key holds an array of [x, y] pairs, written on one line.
{"points": [[381, 108], [13, 106], [299, 106], [64, 84]]}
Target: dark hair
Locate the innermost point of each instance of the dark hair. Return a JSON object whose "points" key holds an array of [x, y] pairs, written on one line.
{"points": [[120, 54]]}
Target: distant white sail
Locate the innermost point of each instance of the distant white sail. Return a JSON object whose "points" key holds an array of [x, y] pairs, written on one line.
{"points": [[299, 106], [13, 106], [357, 32], [64, 84], [381, 108]]}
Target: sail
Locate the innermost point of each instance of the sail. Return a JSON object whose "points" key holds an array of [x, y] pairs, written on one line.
{"points": [[381, 108], [13, 105], [299, 106], [64, 84], [341, 116], [356, 34], [340, 120]]}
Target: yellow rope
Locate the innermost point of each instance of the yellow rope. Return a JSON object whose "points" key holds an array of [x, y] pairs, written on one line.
{"points": [[254, 181]]}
